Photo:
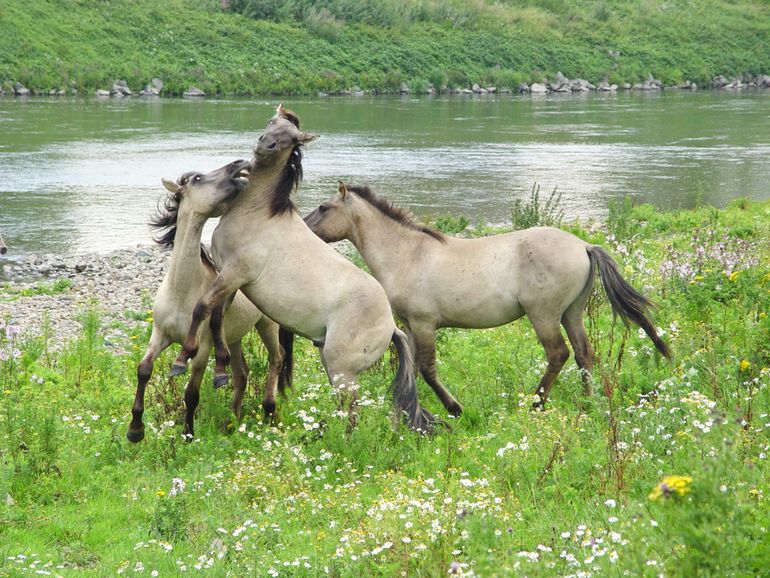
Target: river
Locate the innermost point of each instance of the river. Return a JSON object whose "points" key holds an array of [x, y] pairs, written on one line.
{"points": [[80, 175]]}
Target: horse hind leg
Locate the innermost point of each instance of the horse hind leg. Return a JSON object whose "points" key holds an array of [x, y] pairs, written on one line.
{"points": [[240, 377], [584, 356], [221, 352], [268, 332], [549, 334], [192, 393], [157, 344]]}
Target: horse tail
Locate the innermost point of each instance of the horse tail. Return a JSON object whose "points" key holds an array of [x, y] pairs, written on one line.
{"points": [[404, 387], [286, 340], [626, 301]]}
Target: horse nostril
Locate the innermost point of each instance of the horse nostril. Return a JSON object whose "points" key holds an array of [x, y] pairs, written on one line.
{"points": [[271, 145], [260, 138]]}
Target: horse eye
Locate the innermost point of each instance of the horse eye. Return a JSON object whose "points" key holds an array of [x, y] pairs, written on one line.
{"points": [[196, 178], [323, 208]]}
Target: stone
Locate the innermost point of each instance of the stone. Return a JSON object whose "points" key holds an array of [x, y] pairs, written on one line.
{"points": [[491, 89], [719, 81], [194, 91], [157, 84], [404, 89], [538, 88], [102, 93], [523, 87], [476, 89], [120, 88], [20, 90]]}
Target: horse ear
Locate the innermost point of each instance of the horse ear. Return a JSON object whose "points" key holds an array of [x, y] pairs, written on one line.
{"points": [[342, 189], [307, 137], [171, 186], [280, 111]]}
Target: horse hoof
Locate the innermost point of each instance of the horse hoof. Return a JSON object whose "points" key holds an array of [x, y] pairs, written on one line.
{"points": [[538, 405], [268, 407], [220, 380], [455, 409], [135, 435], [178, 369]]}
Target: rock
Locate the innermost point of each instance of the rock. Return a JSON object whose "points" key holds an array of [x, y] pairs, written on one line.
{"points": [[719, 82], [523, 87], [538, 88], [491, 89], [20, 90], [404, 89], [150, 89], [80, 267], [466, 91], [120, 88], [476, 89], [102, 93], [763, 81], [157, 84], [582, 85], [194, 91], [322, 94], [627, 86]]}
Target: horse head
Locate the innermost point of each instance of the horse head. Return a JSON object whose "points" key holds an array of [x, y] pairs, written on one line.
{"points": [[280, 138], [331, 219]]}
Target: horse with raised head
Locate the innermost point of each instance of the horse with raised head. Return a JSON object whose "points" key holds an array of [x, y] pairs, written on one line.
{"points": [[433, 281], [191, 270], [266, 250]]}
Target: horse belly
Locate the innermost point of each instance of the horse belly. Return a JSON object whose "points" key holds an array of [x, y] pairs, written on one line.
{"points": [[481, 312]]}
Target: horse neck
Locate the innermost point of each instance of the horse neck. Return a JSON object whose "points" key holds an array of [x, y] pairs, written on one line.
{"points": [[255, 199], [185, 266], [382, 242]]}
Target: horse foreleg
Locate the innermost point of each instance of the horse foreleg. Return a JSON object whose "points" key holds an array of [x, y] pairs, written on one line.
{"points": [[549, 334], [268, 332], [220, 289], [144, 372], [424, 337], [345, 384]]}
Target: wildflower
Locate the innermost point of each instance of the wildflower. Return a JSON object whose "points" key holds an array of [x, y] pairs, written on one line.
{"points": [[734, 276], [177, 487], [160, 493], [745, 364], [671, 486]]}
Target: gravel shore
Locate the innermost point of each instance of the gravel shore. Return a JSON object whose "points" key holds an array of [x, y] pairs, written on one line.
{"points": [[111, 284]]}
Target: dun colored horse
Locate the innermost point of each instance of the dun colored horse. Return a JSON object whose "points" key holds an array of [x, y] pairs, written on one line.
{"points": [[191, 270], [437, 281], [266, 250]]}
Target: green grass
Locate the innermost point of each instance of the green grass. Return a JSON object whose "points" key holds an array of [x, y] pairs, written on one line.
{"points": [[506, 492], [301, 48]]}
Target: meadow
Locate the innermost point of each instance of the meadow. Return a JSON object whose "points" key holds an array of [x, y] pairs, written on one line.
{"points": [[662, 472]]}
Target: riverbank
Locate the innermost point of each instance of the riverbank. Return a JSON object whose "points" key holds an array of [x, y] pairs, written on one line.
{"points": [[280, 48]]}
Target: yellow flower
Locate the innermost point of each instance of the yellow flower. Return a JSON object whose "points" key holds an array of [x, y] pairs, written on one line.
{"points": [[734, 276], [762, 315], [671, 487], [745, 364], [160, 493], [698, 278]]}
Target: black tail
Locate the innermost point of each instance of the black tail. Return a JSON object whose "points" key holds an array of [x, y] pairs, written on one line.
{"points": [[404, 387], [626, 301], [286, 339]]}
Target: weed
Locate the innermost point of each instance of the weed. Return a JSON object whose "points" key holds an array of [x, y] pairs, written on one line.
{"points": [[533, 213]]}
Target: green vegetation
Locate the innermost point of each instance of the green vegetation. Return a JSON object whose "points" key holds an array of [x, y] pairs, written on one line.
{"points": [[302, 47], [663, 471]]}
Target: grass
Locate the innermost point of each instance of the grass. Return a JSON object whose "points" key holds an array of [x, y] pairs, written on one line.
{"points": [[296, 47], [663, 471]]}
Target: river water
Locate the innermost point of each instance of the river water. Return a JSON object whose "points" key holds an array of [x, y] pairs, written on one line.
{"points": [[82, 175]]}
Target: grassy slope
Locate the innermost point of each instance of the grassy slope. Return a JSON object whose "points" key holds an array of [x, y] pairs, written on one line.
{"points": [[507, 492], [86, 44]]}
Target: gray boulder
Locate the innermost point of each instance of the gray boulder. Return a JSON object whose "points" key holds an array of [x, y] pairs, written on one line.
{"points": [[476, 89], [20, 90], [120, 88], [102, 93], [194, 91], [523, 87], [538, 88], [404, 88], [719, 82]]}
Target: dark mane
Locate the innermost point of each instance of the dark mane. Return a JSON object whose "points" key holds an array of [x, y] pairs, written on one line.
{"points": [[165, 218], [398, 214], [288, 181]]}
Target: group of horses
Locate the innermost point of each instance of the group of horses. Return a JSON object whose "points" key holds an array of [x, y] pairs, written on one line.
{"points": [[272, 269]]}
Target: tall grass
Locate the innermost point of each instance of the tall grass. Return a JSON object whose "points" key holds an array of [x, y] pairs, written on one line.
{"points": [[663, 471]]}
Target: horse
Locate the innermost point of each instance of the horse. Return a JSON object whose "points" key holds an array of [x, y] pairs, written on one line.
{"points": [[266, 250], [433, 281], [190, 271]]}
